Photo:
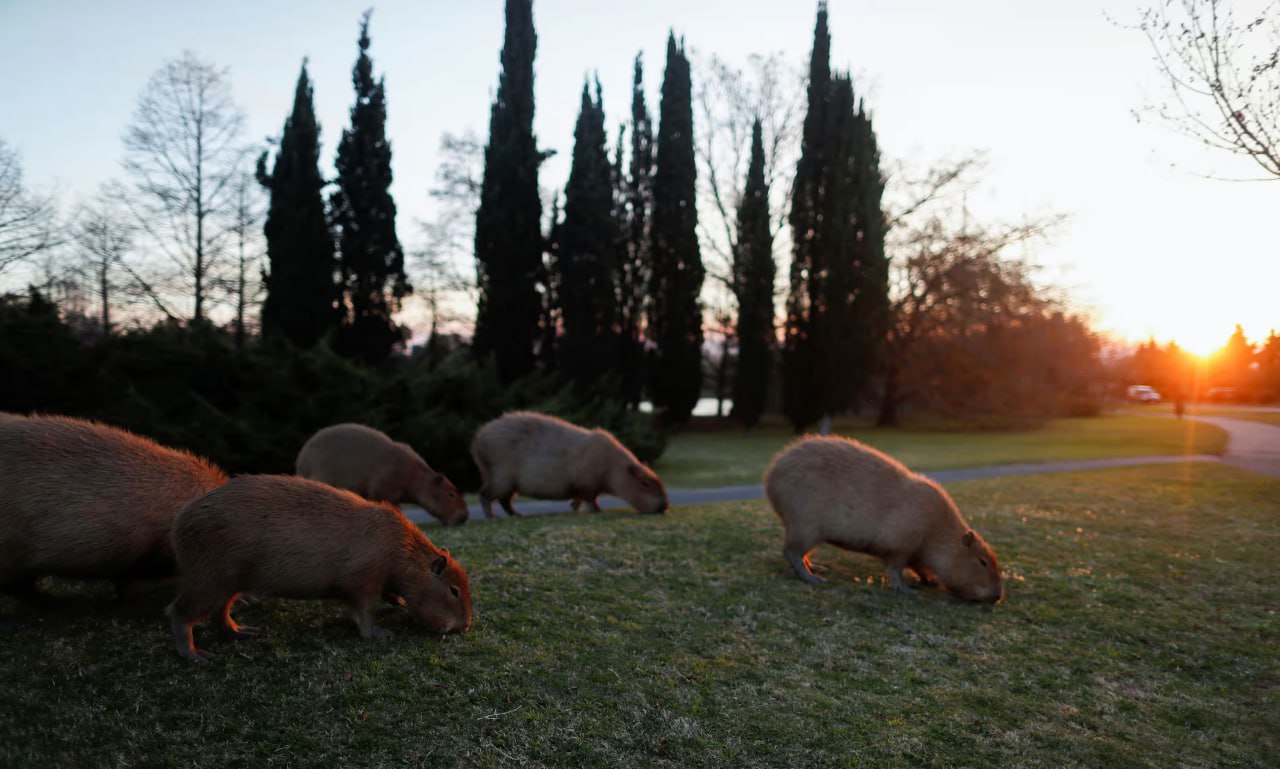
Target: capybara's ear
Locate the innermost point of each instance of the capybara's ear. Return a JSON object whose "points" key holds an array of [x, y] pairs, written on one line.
{"points": [[439, 479], [968, 538], [437, 566]]}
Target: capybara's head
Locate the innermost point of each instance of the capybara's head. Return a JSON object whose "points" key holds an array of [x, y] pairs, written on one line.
{"points": [[640, 487], [974, 574], [438, 593], [439, 497]]}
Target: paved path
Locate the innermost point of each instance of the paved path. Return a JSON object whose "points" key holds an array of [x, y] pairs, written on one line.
{"points": [[1251, 445]]}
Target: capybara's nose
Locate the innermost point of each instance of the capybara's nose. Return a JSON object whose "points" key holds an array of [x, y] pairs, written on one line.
{"points": [[664, 507]]}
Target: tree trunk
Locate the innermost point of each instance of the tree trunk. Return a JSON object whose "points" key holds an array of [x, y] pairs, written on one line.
{"points": [[722, 377], [104, 294], [889, 400]]}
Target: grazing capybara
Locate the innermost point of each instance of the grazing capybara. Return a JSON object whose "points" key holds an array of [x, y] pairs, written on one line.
{"points": [[84, 500], [289, 537], [544, 457], [366, 461], [842, 492]]}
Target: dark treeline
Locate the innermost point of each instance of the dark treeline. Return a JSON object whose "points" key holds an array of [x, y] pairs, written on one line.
{"points": [[585, 307], [251, 409], [1240, 371]]}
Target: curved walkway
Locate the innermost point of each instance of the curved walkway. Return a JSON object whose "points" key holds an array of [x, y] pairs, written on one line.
{"points": [[1251, 445]]}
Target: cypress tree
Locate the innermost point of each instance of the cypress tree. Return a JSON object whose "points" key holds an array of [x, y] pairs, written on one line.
{"points": [[635, 205], [371, 262], [587, 251], [509, 243], [549, 278], [855, 293], [838, 302], [675, 316], [801, 375], [753, 275], [301, 301]]}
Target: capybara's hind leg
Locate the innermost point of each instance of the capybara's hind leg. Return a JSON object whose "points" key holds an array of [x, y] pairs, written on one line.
{"points": [[796, 551], [506, 505], [233, 629]]}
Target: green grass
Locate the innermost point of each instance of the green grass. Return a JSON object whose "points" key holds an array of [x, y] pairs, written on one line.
{"points": [[1214, 410], [1140, 630], [1265, 417], [703, 459]]}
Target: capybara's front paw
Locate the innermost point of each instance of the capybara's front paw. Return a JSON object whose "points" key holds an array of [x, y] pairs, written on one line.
{"points": [[198, 655], [243, 632]]}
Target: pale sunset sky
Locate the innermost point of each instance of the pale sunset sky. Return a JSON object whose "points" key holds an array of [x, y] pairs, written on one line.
{"points": [[1044, 88]]}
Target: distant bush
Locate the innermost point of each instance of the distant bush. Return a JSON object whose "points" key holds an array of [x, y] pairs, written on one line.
{"points": [[250, 410]]}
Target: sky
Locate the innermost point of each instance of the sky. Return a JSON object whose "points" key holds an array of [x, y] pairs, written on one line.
{"points": [[1046, 90]]}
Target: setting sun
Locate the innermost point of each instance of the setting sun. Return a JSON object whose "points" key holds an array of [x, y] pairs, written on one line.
{"points": [[1201, 344]]}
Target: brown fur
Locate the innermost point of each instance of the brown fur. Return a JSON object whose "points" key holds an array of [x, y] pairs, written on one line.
{"points": [[547, 458], [85, 500], [366, 461], [289, 537], [842, 492]]}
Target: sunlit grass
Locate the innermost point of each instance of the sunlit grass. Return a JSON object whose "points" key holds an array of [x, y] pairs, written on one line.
{"points": [[701, 459], [1244, 413], [1140, 631]]}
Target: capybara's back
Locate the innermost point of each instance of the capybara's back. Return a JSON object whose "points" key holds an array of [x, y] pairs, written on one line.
{"points": [[542, 456], [529, 446], [347, 456], [359, 458], [81, 499]]}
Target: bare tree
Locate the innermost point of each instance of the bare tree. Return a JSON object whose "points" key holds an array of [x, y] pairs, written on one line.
{"points": [[103, 234], [949, 275], [28, 221], [246, 218], [728, 102], [185, 153], [440, 279], [1222, 72]]}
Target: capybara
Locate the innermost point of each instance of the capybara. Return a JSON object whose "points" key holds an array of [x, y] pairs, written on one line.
{"points": [[85, 500], [366, 461], [845, 493], [544, 457], [289, 537]]}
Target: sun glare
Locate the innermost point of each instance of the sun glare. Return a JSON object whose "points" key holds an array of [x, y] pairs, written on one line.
{"points": [[1202, 345]]}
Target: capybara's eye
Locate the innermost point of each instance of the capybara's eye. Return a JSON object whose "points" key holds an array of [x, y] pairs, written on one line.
{"points": [[454, 589], [983, 561]]}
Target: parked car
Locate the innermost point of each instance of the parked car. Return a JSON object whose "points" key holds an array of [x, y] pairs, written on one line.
{"points": [[1223, 394], [1143, 394]]}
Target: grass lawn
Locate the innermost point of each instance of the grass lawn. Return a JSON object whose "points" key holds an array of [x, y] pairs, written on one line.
{"points": [[702, 459], [1140, 630], [1266, 417], [1232, 412]]}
